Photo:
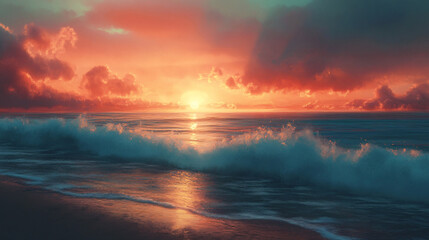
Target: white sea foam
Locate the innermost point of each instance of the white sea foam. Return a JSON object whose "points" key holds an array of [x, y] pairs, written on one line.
{"points": [[288, 155]]}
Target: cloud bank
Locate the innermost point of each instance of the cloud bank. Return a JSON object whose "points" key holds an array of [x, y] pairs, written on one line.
{"points": [[28, 62], [339, 45], [416, 98]]}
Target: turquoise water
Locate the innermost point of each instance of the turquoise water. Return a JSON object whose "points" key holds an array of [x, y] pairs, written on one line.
{"points": [[344, 175]]}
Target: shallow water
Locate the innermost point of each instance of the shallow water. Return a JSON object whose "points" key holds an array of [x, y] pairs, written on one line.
{"points": [[344, 175]]}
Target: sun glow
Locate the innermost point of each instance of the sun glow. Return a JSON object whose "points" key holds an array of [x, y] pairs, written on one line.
{"points": [[193, 100], [194, 105]]}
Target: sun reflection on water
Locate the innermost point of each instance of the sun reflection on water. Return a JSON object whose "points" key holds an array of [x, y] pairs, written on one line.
{"points": [[183, 190], [193, 126], [193, 139], [193, 116], [186, 191]]}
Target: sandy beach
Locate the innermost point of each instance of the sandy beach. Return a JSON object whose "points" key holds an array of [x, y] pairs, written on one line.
{"points": [[29, 212]]}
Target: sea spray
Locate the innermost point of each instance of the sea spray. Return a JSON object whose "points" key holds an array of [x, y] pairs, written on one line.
{"points": [[287, 155]]}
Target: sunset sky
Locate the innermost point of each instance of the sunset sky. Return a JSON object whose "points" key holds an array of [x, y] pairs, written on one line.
{"points": [[214, 55]]}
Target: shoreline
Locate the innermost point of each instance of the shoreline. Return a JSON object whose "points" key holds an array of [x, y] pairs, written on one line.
{"points": [[31, 212]]}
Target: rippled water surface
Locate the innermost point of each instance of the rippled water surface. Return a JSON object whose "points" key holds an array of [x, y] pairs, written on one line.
{"points": [[344, 175]]}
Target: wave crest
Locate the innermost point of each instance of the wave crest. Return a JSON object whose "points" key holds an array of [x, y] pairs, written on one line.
{"points": [[292, 156]]}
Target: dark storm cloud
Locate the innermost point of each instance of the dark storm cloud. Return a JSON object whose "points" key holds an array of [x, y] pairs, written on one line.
{"points": [[20, 72], [416, 98], [339, 45]]}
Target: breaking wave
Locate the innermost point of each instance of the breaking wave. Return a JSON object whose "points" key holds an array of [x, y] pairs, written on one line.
{"points": [[288, 155]]}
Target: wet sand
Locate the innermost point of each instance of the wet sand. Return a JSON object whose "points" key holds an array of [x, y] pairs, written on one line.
{"points": [[29, 212]]}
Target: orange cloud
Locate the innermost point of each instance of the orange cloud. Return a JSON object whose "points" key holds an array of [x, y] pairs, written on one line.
{"points": [[99, 81], [231, 83], [37, 41], [22, 76]]}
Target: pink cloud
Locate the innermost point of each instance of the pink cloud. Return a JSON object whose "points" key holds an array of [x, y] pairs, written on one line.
{"points": [[99, 81], [22, 76], [416, 98]]}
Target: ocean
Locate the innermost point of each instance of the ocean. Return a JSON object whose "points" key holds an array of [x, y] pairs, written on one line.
{"points": [[343, 175]]}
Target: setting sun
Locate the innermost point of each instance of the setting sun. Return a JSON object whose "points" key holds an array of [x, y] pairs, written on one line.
{"points": [[193, 100], [194, 105]]}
